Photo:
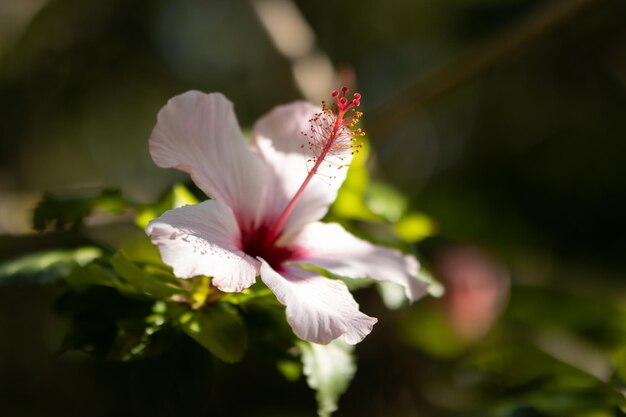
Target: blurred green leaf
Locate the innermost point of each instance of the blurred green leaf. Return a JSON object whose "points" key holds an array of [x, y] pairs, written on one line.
{"points": [[385, 201], [157, 285], [140, 249], [125, 276], [267, 324], [329, 370], [220, 329], [427, 329], [95, 274], [258, 291], [179, 196], [393, 295], [291, 369], [619, 361], [61, 212], [350, 205], [414, 227], [525, 376], [45, 267], [350, 202], [599, 320], [435, 288]]}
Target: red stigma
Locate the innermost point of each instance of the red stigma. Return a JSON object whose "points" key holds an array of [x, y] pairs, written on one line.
{"points": [[343, 104]]}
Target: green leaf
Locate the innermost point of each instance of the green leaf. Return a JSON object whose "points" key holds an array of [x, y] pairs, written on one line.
{"points": [[350, 203], [45, 267], [61, 212], [220, 329], [267, 324], [179, 196], [414, 227], [291, 369], [329, 370], [427, 329], [619, 362], [142, 337], [152, 284], [125, 276], [385, 201], [95, 274]]}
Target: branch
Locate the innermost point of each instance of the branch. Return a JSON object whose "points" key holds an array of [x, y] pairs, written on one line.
{"points": [[450, 77]]}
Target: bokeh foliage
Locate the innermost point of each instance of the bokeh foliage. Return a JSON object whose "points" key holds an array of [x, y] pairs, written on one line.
{"points": [[526, 162]]}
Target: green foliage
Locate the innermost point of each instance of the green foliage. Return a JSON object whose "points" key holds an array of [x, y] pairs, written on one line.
{"points": [[59, 213], [350, 203], [153, 284], [216, 326], [65, 212], [141, 338], [600, 321], [427, 329], [529, 378], [329, 370], [414, 227], [547, 357], [125, 276], [126, 305], [177, 197], [265, 318], [363, 199], [291, 369], [220, 329], [45, 267]]}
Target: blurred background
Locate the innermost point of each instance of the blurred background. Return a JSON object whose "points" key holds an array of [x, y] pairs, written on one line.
{"points": [[501, 123]]}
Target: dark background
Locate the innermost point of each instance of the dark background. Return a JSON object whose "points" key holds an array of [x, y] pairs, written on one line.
{"points": [[502, 120]]}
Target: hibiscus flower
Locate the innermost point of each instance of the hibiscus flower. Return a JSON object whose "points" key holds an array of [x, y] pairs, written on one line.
{"points": [[267, 198]]}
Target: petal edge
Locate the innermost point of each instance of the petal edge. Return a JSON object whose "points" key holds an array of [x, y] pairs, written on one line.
{"points": [[202, 240], [318, 309], [330, 246]]}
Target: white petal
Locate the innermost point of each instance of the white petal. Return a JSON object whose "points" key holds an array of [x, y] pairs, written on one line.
{"points": [[278, 138], [198, 133], [330, 246], [318, 309], [204, 239]]}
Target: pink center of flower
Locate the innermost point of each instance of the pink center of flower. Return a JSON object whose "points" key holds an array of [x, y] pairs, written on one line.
{"points": [[253, 244], [331, 135]]}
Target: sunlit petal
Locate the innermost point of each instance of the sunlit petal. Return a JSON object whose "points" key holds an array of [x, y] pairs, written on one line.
{"points": [[330, 246], [204, 239], [318, 309], [198, 133]]}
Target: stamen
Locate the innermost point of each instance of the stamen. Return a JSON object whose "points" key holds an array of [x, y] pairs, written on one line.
{"points": [[331, 139]]}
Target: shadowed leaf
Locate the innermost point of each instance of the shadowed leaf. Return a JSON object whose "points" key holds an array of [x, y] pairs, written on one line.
{"points": [[220, 329], [45, 267], [59, 212]]}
